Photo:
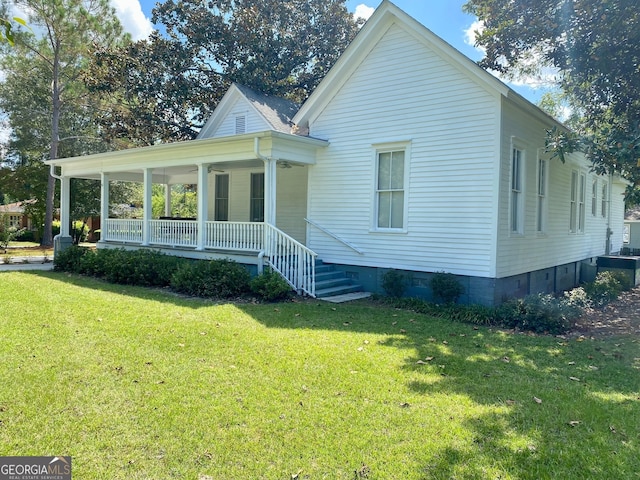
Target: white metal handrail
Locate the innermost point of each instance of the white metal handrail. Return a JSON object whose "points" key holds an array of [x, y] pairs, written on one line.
{"points": [[291, 259], [333, 235]]}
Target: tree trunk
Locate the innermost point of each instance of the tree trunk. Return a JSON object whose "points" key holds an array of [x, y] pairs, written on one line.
{"points": [[47, 235]]}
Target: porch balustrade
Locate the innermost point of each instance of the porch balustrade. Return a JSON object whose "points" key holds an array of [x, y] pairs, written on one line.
{"points": [[291, 259], [239, 236]]}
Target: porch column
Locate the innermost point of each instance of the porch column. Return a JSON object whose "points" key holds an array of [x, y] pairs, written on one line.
{"points": [[65, 206], [104, 205], [167, 199], [147, 206], [203, 204], [270, 191], [63, 240]]}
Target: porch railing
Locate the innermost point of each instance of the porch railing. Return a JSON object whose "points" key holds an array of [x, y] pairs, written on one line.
{"points": [[235, 235], [291, 259], [240, 236], [178, 233], [122, 230]]}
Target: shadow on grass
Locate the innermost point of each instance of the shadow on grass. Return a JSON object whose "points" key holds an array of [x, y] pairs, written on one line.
{"points": [[556, 407], [553, 407]]}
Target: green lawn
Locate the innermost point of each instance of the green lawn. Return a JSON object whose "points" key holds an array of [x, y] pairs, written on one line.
{"points": [[140, 384]]}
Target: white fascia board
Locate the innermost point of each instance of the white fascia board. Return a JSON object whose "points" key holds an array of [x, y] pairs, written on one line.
{"points": [[220, 112], [192, 152]]}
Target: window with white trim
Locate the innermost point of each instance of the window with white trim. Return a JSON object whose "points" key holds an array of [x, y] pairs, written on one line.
{"points": [[517, 197], [582, 188], [542, 195], [573, 203], [577, 202], [256, 202], [390, 189], [604, 200], [594, 197], [221, 203]]}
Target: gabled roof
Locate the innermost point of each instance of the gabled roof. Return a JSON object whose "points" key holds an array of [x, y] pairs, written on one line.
{"points": [[275, 111], [386, 15], [16, 208]]}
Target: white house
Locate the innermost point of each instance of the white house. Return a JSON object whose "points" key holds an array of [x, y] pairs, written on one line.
{"points": [[407, 156]]}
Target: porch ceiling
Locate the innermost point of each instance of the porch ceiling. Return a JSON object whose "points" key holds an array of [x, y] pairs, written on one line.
{"points": [[178, 162]]}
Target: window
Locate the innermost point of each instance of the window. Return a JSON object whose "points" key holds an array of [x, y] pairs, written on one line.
{"points": [[256, 204], [241, 124], [581, 202], [577, 203], [605, 199], [221, 206], [542, 194], [517, 160], [573, 206], [390, 193], [594, 197], [15, 221]]}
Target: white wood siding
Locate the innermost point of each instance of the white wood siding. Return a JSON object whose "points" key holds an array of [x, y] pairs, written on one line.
{"points": [[254, 122], [530, 251], [405, 92]]}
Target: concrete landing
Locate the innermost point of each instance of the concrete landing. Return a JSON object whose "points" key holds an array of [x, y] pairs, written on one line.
{"points": [[347, 297]]}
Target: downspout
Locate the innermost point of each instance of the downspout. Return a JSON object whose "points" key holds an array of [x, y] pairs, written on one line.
{"points": [[267, 203], [609, 232], [52, 172]]}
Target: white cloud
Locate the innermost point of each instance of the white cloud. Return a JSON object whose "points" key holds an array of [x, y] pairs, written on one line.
{"points": [[363, 11], [543, 76], [133, 20]]}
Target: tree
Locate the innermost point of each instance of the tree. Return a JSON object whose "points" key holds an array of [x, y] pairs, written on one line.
{"points": [[595, 45], [42, 93], [168, 85]]}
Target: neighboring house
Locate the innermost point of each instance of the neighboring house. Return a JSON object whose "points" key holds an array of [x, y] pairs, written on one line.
{"points": [[15, 216], [408, 156], [631, 235]]}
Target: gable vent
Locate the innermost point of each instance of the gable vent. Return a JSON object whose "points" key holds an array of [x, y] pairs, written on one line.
{"points": [[241, 124]]}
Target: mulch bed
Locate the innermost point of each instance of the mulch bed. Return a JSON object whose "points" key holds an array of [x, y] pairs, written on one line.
{"points": [[621, 317]]}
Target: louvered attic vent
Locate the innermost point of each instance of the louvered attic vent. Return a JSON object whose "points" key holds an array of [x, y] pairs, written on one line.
{"points": [[241, 124]]}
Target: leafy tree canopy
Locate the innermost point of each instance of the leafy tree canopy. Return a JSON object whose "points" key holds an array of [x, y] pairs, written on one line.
{"points": [[168, 85], [42, 96], [595, 45]]}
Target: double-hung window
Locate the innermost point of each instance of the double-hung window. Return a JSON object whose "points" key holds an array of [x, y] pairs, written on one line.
{"points": [[390, 189], [221, 204], [604, 200], [517, 182], [542, 195], [256, 203], [577, 202], [582, 189], [594, 197]]}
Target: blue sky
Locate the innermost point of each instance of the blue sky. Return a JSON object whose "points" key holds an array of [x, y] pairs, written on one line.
{"points": [[443, 17]]}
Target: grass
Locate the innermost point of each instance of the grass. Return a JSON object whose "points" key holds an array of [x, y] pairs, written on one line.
{"points": [[140, 384]]}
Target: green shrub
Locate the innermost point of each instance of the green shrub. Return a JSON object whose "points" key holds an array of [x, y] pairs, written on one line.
{"points": [[146, 268], [70, 259], [270, 286], [211, 278], [606, 287], [446, 287], [542, 313], [394, 283]]}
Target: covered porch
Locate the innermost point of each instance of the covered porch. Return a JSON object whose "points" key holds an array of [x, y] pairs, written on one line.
{"points": [[251, 199]]}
